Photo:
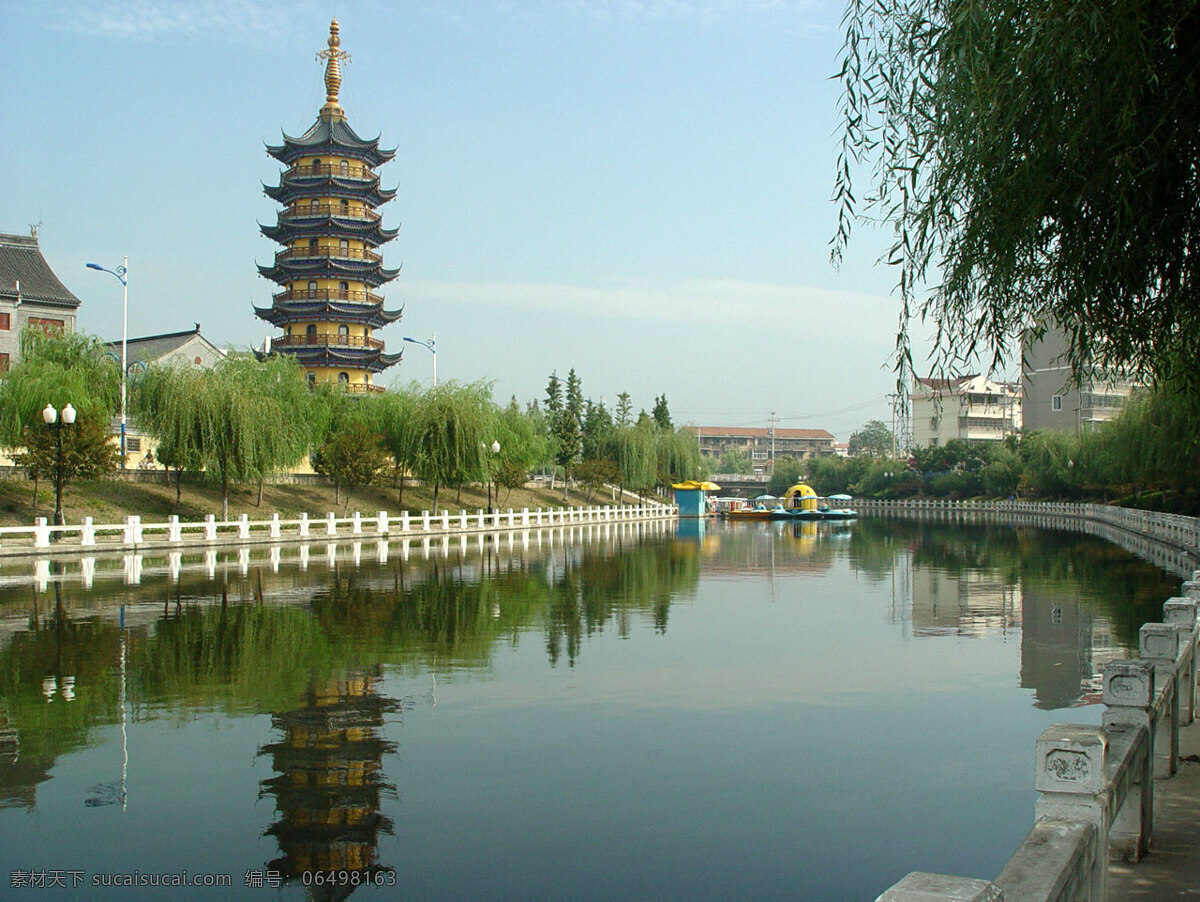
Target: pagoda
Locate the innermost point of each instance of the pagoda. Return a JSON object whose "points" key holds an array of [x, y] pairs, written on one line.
{"points": [[329, 267]]}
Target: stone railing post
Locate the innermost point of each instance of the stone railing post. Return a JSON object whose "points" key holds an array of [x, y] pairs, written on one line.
{"points": [[41, 532], [425, 520], [133, 530], [405, 525], [330, 524], [210, 527], [304, 525], [1071, 775], [274, 528], [1159, 644], [381, 524], [174, 530], [524, 516], [244, 526], [922, 887], [87, 535], [1182, 612], [1129, 701]]}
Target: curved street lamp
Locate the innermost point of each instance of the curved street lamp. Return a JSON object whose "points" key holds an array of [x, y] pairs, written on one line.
{"points": [[121, 273], [431, 346], [53, 421], [495, 448]]}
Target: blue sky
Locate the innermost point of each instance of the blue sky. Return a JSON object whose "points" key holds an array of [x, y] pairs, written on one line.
{"points": [[638, 190]]}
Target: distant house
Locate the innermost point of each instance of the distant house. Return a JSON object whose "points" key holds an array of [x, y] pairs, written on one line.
{"points": [[188, 348], [1053, 399], [972, 408], [178, 348], [763, 446], [30, 295]]}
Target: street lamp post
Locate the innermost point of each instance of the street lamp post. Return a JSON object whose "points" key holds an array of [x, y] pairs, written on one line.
{"points": [[492, 474], [53, 421], [431, 345], [121, 272]]}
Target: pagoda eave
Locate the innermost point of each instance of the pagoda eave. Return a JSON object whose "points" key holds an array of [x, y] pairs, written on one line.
{"points": [[370, 359], [292, 189]]}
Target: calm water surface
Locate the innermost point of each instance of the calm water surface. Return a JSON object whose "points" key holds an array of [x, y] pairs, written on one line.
{"points": [[752, 711]]}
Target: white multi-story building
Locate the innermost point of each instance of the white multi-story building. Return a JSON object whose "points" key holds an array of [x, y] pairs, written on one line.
{"points": [[973, 408], [1053, 399]]}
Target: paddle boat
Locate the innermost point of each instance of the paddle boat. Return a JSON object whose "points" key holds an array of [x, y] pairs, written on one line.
{"points": [[802, 503]]}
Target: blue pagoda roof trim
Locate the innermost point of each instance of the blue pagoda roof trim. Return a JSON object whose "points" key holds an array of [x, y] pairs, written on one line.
{"points": [[301, 226], [334, 136], [367, 314], [370, 359], [323, 267], [290, 189]]}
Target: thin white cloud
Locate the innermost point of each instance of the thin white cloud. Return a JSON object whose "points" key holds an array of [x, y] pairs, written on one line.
{"points": [[763, 305], [706, 12], [148, 20]]}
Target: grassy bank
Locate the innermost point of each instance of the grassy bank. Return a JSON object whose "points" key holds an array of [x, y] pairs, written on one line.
{"points": [[111, 500]]}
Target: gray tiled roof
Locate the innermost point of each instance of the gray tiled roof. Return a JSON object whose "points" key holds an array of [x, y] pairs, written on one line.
{"points": [[154, 347], [21, 261]]}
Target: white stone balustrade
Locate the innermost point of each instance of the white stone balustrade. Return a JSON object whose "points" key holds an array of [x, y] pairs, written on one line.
{"points": [[1095, 784], [133, 533]]}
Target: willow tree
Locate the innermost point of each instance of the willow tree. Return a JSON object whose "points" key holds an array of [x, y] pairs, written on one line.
{"points": [[398, 431], [635, 452], [453, 423], [677, 453], [1039, 162], [58, 369], [239, 421]]}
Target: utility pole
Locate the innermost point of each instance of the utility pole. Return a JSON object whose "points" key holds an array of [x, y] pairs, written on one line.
{"points": [[771, 421]]}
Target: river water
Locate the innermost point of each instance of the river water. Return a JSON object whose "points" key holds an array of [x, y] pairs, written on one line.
{"points": [[767, 711]]}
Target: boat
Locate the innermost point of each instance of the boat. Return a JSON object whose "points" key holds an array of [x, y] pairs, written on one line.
{"points": [[802, 503], [764, 507]]}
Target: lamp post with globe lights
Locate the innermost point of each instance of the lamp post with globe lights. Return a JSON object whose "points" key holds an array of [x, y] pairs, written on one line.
{"points": [[495, 448], [55, 422]]}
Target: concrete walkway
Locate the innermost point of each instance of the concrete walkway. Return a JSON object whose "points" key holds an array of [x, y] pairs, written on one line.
{"points": [[1172, 869]]}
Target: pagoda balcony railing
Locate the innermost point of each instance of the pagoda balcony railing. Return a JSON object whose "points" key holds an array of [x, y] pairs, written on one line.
{"points": [[329, 341], [309, 211], [342, 253], [328, 294], [363, 173], [362, 387]]}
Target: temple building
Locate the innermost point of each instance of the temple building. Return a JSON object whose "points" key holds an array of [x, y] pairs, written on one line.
{"points": [[329, 267], [30, 295]]}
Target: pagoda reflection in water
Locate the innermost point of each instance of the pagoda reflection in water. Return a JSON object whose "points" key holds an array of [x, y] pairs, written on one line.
{"points": [[329, 784]]}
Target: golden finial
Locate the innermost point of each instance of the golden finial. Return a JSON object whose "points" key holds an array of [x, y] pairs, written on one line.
{"points": [[333, 73]]}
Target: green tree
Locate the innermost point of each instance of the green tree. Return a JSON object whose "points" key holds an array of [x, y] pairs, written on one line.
{"points": [[453, 423], [59, 369], [678, 456], [398, 431], [735, 461], [624, 413], [597, 423], [661, 413], [352, 452], [875, 439], [633, 450], [1038, 161], [87, 451], [239, 421], [566, 426]]}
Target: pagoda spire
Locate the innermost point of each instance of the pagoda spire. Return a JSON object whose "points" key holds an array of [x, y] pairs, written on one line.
{"points": [[333, 57]]}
